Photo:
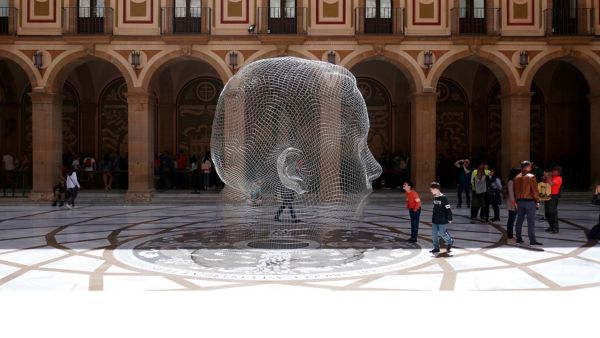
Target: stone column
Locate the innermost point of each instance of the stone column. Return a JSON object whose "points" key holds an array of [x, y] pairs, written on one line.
{"points": [[594, 138], [516, 132], [140, 114], [46, 111], [423, 139]]}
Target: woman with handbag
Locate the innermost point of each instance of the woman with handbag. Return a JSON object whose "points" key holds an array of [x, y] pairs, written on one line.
{"points": [[72, 187]]}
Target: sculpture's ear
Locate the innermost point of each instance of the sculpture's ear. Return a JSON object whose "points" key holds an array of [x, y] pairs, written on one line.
{"points": [[289, 167]]}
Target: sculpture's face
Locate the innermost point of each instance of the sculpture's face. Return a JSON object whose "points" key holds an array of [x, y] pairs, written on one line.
{"points": [[288, 125]]}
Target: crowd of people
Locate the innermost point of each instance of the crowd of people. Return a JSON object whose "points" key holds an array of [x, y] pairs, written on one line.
{"points": [[524, 190], [395, 171], [182, 172], [16, 172]]}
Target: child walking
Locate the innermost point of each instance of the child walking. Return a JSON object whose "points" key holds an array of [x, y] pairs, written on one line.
{"points": [[413, 203], [442, 215]]}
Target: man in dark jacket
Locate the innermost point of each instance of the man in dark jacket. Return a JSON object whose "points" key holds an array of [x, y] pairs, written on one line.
{"points": [[442, 215]]}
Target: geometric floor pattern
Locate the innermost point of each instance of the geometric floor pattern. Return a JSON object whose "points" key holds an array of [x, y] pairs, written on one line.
{"points": [[187, 247]]}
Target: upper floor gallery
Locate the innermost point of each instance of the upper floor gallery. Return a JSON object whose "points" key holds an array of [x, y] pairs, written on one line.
{"points": [[282, 19]]}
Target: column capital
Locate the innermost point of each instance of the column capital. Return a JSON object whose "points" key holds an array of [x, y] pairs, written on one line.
{"points": [[38, 96], [517, 95], [137, 95]]}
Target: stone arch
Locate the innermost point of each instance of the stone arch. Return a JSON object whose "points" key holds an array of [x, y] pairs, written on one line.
{"points": [[27, 67], [585, 63], [412, 74], [60, 71], [280, 52], [504, 72], [152, 70]]}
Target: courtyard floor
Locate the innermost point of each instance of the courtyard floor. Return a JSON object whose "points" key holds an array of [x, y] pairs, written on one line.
{"points": [[161, 246]]}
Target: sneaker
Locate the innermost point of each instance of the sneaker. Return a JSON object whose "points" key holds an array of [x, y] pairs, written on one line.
{"points": [[495, 219], [412, 240], [549, 230], [554, 231], [69, 206], [54, 204], [449, 247], [519, 241], [434, 251], [61, 204], [458, 206], [536, 243]]}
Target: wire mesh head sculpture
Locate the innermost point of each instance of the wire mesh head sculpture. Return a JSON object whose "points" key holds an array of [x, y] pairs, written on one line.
{"points": [[292, 133]]}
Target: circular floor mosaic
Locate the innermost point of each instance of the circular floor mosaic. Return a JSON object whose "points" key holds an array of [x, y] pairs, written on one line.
{"points": [[237, 253]]}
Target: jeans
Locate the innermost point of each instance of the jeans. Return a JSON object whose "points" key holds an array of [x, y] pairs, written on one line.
{"points": [[510, 224], [526, 208], [466, 187], [443, 232], [206, 180], [414, 222], [72, 196], [551, 212]]}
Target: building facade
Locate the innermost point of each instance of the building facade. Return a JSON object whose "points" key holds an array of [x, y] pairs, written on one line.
{"points": [[496, 80]]}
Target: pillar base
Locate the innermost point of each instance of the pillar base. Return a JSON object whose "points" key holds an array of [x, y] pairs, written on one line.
{"points": [[139, 196], [39, 196]]}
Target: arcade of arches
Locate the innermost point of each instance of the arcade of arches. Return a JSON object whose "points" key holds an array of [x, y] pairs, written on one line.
{"points": [[96, 117]]}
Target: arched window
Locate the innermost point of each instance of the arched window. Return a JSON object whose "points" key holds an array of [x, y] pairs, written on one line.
{"points": [[113, 118], [186, 16], [282, 17], [90, 16]]}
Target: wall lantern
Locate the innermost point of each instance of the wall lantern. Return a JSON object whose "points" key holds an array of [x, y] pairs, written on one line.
{"points": [[135, 59], [331, 57], [428, 59], [251, 28], [233, 59], [38, 60], [524, 58]]}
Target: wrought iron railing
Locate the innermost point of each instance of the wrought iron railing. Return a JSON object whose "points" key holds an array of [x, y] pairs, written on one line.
{"points": [[475, 21], [383, 20], [185, 20], [576, 21], [282, 20], [8, 21], [88, 20]]}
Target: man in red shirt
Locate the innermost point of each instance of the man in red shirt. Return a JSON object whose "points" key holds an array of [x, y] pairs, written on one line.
{"points": [[551, 206], [413, 203]]}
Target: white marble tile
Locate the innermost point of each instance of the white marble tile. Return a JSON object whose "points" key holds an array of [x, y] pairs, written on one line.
{"points": [[6, 270], [519, 255], [432, 268], [500, 279], [569, 271], [336, 283], [473, 261], [33, 256], [406, 282], [76, 263], [48, 281], [138, 283], [592, 253], [118, 270]]}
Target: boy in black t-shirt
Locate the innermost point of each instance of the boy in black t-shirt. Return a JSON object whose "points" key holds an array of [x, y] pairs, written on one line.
{"points": [[442, 215]]}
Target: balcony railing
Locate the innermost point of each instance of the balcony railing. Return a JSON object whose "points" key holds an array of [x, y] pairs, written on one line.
{"points": [[372, 20], [475, 21], [576, 21], [88, 20], [185, 20], [280, 20], [8, 21]]}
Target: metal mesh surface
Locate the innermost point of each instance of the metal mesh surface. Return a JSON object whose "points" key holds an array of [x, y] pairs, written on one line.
{"points": [[289, 140]]}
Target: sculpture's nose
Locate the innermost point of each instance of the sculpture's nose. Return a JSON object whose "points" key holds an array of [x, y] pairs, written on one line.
{"points": [[373, 169]]}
